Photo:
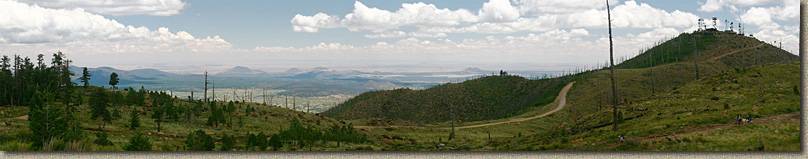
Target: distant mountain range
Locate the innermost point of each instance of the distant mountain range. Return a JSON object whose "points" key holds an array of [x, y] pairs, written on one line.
{"points": [[241, 70], [293, 80]]}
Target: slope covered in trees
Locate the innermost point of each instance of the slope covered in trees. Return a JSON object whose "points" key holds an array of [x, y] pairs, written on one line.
{"points": [[484, 98]]}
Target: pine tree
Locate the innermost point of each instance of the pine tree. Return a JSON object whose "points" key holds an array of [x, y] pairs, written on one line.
{"points": [[157, 115], [227, 142], [199, 141], [46, 120], [113, 80], [99, 101], [101, 139], [5, 80], [134, 120], [261, 141], [275, 142], [138, 143], [240, 122], [171, 111], [116, 114], [85, 77]]}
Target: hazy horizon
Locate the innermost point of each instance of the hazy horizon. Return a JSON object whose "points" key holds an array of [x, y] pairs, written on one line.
{"points": [[370, 35]]}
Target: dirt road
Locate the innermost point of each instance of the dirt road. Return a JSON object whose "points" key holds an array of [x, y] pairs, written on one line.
{"points": [[561, 99], [759, 45]]}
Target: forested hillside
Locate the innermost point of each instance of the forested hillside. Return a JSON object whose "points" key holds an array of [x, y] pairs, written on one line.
{"points": [[484, 98]]}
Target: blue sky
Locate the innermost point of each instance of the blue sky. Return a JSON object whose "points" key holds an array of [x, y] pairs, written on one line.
{"points": [[380, 34]]}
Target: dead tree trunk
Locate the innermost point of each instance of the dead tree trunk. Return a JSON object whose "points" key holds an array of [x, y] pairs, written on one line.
{"points": [[611, 58]]}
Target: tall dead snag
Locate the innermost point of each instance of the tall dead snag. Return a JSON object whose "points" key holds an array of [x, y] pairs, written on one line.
{"points": [[611, 58], [205, 96]]}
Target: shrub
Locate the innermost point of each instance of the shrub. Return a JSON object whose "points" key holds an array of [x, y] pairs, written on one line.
{"points": [[700, 139], [16, 146], [227, 142], [275, 142], [101, 139], [714, 98], [685, 139], [199, 141], [54, 145], [116, 114], [797, 90], [138, 143]]}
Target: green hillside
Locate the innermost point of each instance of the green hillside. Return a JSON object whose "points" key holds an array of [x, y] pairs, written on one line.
{"points": [[736, 76], [484, 98], [699, 114], [706, 46], [674, 63]]}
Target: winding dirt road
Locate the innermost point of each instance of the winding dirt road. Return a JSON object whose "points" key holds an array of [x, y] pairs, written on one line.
{"points": [[561, 99]]}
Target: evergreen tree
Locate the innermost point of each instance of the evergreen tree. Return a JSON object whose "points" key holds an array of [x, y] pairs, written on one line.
{"points": [[199, 141], [117, 98], [6, 80], [275, 142], [113, 80], [74, 132], [85, 77], [134, 120], [251, 141], [138, 143], [101, 139], [99, 101], [157, 115], [240, 122], [116, 114], [227, 142], [172, 111], [46, 120], [261, 141]]}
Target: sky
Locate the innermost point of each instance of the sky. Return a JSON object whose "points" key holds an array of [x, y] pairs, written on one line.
{"points": [[190, 36]]}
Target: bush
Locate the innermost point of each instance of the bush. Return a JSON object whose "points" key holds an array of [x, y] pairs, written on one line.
{"points": [[199, 141], [685, 139], [714, 98], [101, 139], [54, 145], [138, 143], [797, 90], [227, 142], [16, 146], [701, 139]]}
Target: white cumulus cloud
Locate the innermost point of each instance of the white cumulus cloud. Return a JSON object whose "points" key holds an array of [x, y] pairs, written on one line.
{"points": [[498, 11], [31, 28], [495, 17], [116, 7], [539, 7], [733, 5], [378, 20]]}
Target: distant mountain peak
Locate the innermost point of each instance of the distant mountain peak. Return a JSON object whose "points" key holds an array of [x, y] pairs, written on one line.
{"points": [[293, 70], [473, 69], [241, 70]]}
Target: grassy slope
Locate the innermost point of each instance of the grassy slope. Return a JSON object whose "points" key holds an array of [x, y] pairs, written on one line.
{"points": [[693, 106], [634, 86]]}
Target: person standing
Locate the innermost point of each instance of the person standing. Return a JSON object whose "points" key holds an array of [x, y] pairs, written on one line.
{"points": [[748, 119]]}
